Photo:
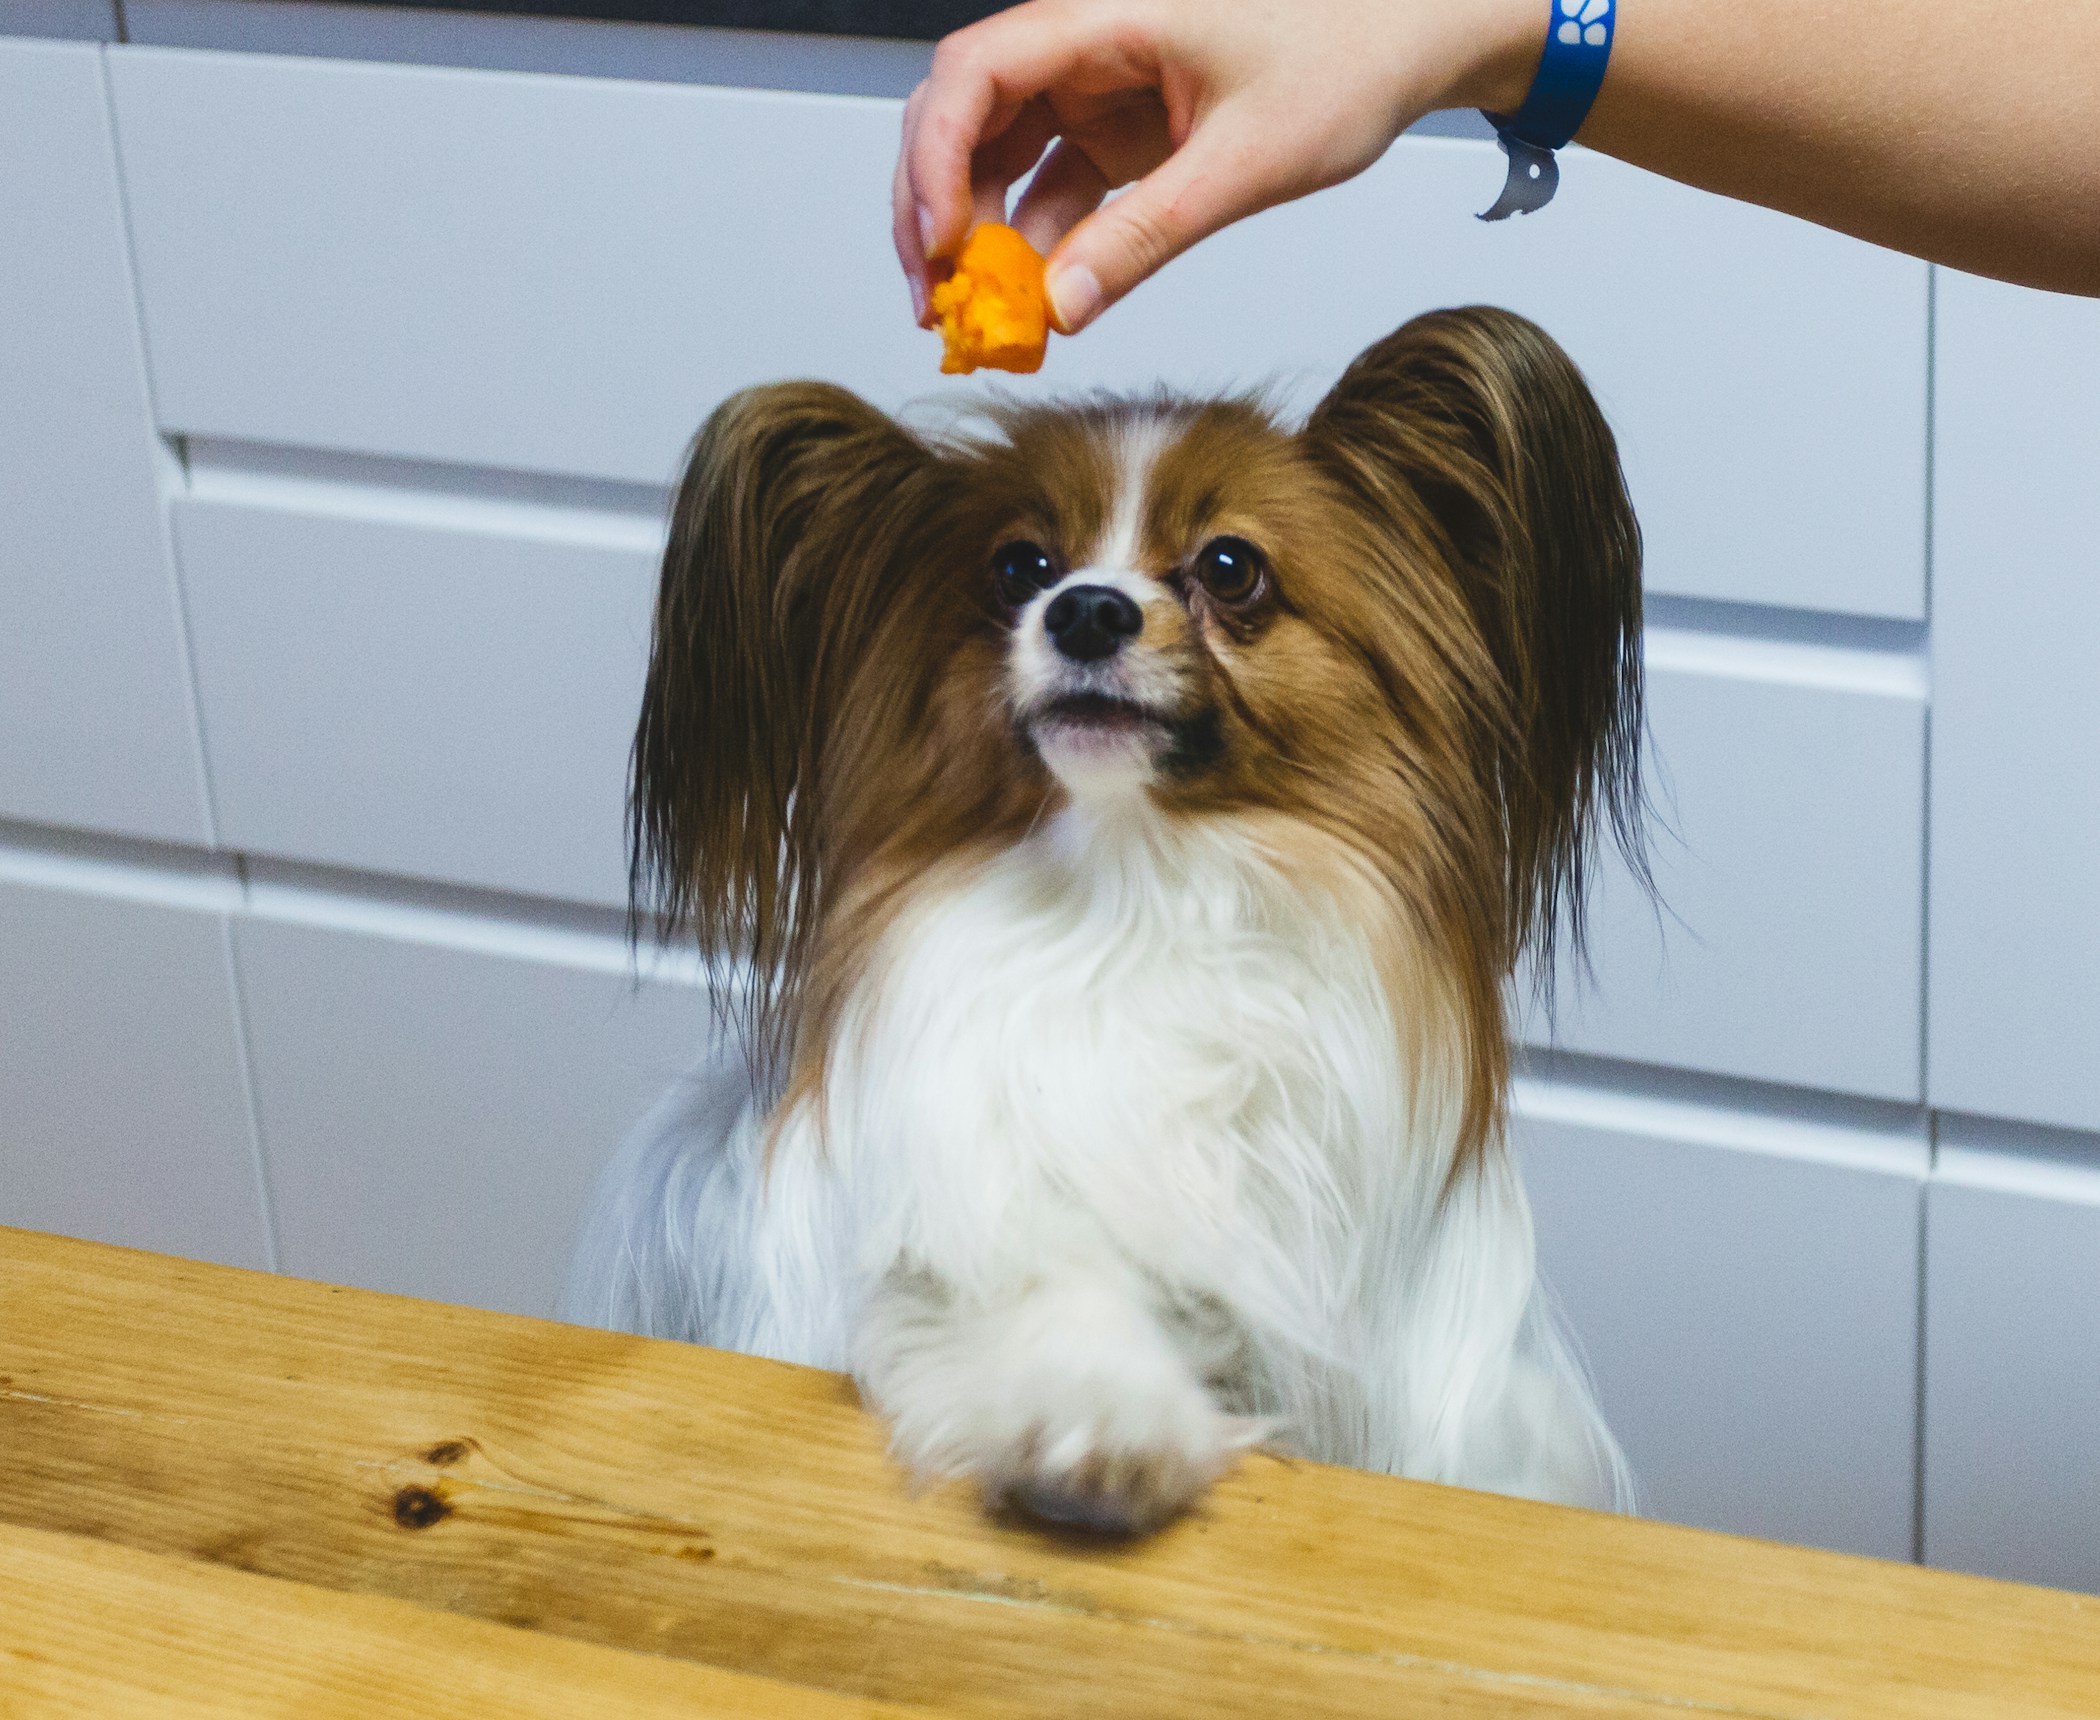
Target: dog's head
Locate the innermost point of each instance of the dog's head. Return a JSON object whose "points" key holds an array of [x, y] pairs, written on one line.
{"points": [[1411, 622]]}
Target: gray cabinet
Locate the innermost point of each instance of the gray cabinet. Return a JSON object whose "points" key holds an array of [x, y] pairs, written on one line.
{"points": [[544, 274], [435, 1111], [1783, 943], [96, 729], [1745, 1289], [2015, 1006], [2012, 1361], [617, 257], [439, 690], [123, 1100]]}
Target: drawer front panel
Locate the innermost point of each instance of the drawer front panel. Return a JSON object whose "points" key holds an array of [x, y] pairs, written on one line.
{"points": [[446, 704], [434, 1116], [565, 274], [1787, 849], [95, 723], [122, 1111], [1749, 1312], [2015, 1024], [510, 270], [2012, 1369]]}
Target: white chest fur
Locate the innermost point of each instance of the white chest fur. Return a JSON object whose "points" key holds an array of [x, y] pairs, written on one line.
{"points": [[1145, 1035], [1128, 1121]]}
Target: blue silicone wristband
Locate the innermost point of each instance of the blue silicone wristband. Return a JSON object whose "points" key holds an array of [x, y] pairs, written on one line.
{"points": [[1571, 72]]}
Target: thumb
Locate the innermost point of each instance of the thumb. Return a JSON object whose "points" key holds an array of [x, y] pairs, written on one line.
{"points": [[1212, 180]]}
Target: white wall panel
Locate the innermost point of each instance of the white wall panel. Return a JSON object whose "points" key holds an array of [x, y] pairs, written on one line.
{"points": [[95, 721], [1746, 1291], [122, 1111], [564, 274], [1787, 851], [434, 1116], [2012, 1366], [2015, 1010], [444, 703]]}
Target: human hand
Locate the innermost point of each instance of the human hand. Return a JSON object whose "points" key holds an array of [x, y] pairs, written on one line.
{"points": [[1209, 110]]}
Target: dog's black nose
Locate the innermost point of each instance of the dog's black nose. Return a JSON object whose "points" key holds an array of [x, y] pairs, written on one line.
{"points": [[1089, 622]]}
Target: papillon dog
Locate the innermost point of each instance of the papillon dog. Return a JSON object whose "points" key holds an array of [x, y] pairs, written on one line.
{"points": [[1122, 821]]}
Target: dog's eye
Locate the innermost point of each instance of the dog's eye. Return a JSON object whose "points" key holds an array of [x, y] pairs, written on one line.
{"points": [[1021, 569], [1233, 571]]}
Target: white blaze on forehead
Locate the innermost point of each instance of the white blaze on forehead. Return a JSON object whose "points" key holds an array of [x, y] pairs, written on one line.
{"points": [[1137, 446], [1133, 447]]}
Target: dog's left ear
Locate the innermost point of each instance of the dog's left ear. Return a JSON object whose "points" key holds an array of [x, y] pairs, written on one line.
{"points": [[1477, 418]]}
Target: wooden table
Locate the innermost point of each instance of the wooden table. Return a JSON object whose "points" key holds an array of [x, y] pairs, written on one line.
{"points": [[231, 1494]]}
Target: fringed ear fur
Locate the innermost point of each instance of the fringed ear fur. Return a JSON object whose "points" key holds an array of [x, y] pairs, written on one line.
{"points": [[792, 533], [1479, 416]]}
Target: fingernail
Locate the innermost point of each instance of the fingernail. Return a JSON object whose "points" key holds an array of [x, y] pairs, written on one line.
{"points": [[926, 229], [1075, 295], [918, 300]]}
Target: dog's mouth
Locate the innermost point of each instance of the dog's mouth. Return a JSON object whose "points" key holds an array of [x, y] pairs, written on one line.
{"points": [[1102, 714], [1108, 729]]}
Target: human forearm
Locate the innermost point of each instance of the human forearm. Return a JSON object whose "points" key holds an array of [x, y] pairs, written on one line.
{"points": [[1966, 131]]}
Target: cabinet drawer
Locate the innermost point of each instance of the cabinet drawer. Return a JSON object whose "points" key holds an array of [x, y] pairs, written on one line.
{"points": [[95, 723], [445, 703], [2012, 1365], [1746, 1292], [513, 270], [1787, 845], [2016, 723], [564, 274], [122, 1112], [1765, 378], [434, 1115]]}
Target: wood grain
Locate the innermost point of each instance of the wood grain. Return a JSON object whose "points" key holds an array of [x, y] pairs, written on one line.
{"points": [[741, 1513], [89, 1628]]}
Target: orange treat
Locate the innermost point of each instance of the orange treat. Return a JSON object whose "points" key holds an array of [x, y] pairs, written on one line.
{"points": [[992, 311]]}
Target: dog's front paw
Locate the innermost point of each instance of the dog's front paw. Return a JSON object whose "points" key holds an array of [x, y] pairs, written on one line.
{"points": [[1072, 1403], [1108, 1490], [1118, 1455]]}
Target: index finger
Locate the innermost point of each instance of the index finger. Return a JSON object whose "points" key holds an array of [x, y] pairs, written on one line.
{"points": [[982, 77]]}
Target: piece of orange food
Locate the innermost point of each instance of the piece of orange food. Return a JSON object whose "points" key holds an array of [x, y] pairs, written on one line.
{"points": [[992, 310]]}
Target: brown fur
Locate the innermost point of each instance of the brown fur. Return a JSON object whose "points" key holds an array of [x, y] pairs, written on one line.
{"points": [[1443, 677]]}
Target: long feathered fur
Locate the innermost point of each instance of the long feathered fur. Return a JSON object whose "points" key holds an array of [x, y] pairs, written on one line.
{"points": [[801, 525], [1480, 415]]}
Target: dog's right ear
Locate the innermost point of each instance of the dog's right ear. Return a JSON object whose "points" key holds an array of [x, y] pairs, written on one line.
{"points": [[793, 530]]}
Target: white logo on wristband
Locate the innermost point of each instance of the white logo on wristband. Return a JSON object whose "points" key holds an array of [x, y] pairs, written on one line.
{"points": [[1584, 22]]}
